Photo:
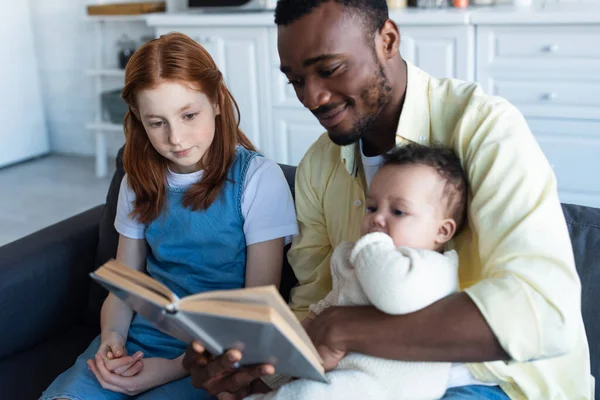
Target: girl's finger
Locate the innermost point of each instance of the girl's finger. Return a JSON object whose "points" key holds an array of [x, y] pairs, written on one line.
{"points": [[121, 365], [92, 367], [117, 380], [134, 369]]}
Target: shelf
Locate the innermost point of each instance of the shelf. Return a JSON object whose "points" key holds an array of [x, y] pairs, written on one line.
{"points": [[104, 126], [116, 73]]}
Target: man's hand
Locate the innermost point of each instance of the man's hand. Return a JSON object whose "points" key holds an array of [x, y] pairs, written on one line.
{"points": [[327, 331], [219, 376]]}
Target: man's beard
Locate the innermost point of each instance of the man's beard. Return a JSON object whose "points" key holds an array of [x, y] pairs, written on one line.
{"points": [[375, 97]]}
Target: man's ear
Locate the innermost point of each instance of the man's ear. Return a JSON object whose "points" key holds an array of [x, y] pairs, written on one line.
{"points": [[390, 39], [446, 230]]}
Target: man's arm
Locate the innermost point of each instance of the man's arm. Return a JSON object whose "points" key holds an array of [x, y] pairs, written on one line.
{"points": [[526, 306], [451, 329]]}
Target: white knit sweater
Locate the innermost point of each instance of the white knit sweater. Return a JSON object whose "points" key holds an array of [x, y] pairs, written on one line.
{"points": [[396, 281]]}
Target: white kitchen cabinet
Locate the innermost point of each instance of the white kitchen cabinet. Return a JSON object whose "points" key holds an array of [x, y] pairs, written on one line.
{"points": [[295, 130], [240, 53], [441, 51], [572, 148], [550, 73], [546, 63], [550, 51]]}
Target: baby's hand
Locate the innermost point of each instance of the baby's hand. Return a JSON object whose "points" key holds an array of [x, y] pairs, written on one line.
{"points": [[113, 352], [309, 318]]}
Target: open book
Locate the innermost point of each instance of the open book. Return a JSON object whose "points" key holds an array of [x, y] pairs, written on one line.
{"points": [[256, 320]]}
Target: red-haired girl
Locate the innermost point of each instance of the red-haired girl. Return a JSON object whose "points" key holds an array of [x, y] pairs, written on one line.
{"points": [[198, 209]]}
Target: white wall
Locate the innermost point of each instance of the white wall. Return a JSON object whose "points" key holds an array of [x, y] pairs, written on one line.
{"points": [[23, 129], [66, 47], [63, 42]]}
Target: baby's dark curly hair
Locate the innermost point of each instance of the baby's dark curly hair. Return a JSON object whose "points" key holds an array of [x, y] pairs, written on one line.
{"points": [[373, 13], [445, 161]]}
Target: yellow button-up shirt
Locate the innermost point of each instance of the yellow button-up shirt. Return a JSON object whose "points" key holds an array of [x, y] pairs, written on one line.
{"points": [[516, 260]]}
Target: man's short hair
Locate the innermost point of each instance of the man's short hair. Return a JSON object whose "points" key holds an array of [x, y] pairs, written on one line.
{"points": [[373, 13], [445, 161]]}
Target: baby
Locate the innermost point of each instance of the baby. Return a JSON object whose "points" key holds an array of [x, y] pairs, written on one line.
{"points": [[416, 203]]}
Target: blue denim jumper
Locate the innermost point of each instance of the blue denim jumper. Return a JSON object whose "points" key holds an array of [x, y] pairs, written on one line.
{"points": [[189, 252]]}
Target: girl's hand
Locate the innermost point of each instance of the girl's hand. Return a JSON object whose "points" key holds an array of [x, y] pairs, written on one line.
{"points": [[155, 372], [112, 345], [112, 350]]}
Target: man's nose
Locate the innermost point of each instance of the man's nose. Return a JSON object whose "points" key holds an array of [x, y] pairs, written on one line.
{"points": [[315, 94]]}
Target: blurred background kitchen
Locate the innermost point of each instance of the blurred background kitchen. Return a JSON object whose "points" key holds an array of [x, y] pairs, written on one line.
{"points": [[62, 61]]}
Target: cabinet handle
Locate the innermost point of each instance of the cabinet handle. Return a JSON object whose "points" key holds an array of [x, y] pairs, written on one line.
{"points": [[205, 39], [549, 96], [553, 48]]}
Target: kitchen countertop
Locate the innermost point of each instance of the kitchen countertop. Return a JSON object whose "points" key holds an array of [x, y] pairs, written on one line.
{"points": [[498, 15], [409, 16]]}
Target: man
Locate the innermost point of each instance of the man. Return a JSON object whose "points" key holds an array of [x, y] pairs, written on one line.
{"points": [[517, 323]]}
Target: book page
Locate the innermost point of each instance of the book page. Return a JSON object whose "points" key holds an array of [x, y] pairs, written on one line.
{"points": [[140, 278], [263, 295], [116, 281]]}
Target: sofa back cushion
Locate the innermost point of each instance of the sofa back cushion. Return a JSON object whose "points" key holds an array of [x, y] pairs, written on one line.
{"points": [[584, 229], [108, 238]]}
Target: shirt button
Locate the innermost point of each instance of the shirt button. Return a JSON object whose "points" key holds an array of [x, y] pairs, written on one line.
{"points": [[357, 203], [422, 138]]}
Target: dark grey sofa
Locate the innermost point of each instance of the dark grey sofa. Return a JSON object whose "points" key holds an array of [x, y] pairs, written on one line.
{"points": [[50, 309]]}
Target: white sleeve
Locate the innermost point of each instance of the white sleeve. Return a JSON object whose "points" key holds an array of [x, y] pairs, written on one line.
{"points": [[344, 283], [124, 223], [267, 204], [402, 280]]}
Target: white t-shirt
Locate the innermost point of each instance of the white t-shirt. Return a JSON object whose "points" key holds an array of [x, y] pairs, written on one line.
{"points": [[459, 373], [370, 165], [267, 204]]}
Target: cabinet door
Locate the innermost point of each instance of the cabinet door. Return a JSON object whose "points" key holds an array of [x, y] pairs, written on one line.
{"points": [[572, 148], [441, 51], [240, 54], [295, 130]]}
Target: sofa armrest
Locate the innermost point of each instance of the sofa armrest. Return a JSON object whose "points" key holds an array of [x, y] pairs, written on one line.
{"points": [[44, 281]]}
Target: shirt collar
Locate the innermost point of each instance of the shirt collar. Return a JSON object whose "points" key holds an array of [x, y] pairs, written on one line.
{"points": [[414, 124]]}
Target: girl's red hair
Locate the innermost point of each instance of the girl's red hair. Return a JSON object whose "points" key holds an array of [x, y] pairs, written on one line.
{"points": [[176, 57]]}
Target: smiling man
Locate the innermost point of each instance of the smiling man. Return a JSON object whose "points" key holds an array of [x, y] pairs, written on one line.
{"points": [[515, 331]]}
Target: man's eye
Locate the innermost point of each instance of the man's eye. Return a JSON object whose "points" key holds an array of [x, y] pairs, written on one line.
{"points": [[328, 72], [295, 82]]}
